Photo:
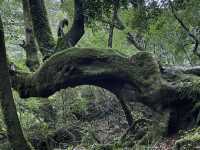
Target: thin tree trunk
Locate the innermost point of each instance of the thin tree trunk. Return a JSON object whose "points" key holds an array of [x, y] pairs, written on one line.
{"points": [[30, 45], [14, 130], [112, 25], [110, 39]]}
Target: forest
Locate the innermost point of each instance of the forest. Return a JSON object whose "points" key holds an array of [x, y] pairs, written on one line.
{"points": [[99, 74]]}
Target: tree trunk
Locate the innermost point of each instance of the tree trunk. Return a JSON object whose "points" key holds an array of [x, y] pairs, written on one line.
{"points": [[138, 81], [127, 112], [76, 32], [30, 45], [41, 27], [112, 25], [14, 131]]}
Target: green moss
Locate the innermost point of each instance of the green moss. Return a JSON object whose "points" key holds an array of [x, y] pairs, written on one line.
{"points": [[189, 140], [189, 86], [87, 52], [41, 27], [78, 66]]}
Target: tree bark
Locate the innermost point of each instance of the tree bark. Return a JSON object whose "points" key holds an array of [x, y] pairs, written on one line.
{"points": [[41, 27], [133, 41], [112, 26], [30, 45], [127, 112], [14, 131], [43, 32], [71, 38], [77, 66]]}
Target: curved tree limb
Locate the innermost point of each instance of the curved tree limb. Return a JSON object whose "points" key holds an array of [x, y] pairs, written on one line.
{"points": [[134, 42], [71, 38], [43, 32], [139, 81], [105, 68], [108, 69], [195, 48]]}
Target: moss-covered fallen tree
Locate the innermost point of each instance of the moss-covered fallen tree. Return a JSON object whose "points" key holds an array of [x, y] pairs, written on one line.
{"points": [[106, 68], [172, 91]]}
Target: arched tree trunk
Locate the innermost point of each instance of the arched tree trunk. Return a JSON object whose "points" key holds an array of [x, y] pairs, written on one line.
{"points": [[14, 131], [137, 81]]}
